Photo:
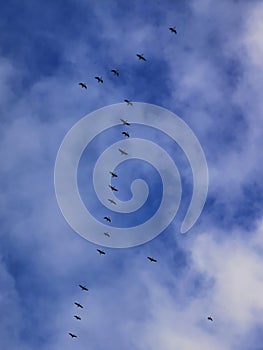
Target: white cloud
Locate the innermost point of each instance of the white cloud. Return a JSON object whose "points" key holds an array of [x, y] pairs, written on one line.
{"points": [[253, 36]]}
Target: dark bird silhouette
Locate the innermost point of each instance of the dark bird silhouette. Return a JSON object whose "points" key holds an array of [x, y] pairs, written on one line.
{"points": [[101, 252], [125, 134], [83, 287], [123, 152], [113, 174], [113, 188], [173, 30], [72, 335], [151, 259], [84, 86], [112, 201], [79, 305], [115, 72], [107, 218], [129, 103], [106, 234], [124, 122], [77, 317], [140, 56], [99, 79], [209, 318]]}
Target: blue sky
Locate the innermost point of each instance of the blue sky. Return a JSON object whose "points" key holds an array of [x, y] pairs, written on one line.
{"points": [[210, 74]]}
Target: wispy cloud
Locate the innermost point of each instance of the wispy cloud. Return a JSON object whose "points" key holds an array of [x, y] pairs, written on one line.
{"points": [[210, 74]]}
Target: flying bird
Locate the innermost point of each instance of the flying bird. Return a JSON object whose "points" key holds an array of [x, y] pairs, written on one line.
{"points": [[123, 152], [83, 287], [151, 259], [107, 218], [72, 335], [209, 318], [125, 134], [99, 79], [106, 234], [112, 201], [77, 317], [129, 103], [113, 174], [115, 72], [140, 56], [101, 252], [124, 122], [173, 30], [84, 86], [113, 188], [79, 305]]}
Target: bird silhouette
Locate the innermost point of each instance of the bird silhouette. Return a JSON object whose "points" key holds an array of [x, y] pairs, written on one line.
{"points": [[77, 317], [107, 218], [99, 79], [78, 305], [123, 152], [124, 122], [140, 56], [209, 318], [83, 287], [84, 86], [115, 72], [173, 30], [129, 103], [101, 252], [72, 335], [113, 174], [125, 134], [113, 188], [151, 259]]}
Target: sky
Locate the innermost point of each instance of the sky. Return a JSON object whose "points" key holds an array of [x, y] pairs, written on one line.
{"points": [[209, 74]]}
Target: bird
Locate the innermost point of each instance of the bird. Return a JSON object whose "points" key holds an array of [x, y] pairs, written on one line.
{"points": [[124, 122], [140, 56], [115, 72], [112, 201], [77, 317], [107, 218], [78, 305], [101, 252], [83, 287], [151, 259], [84, 86], [123, 152], [72, 335], [125, 134], [129, 103], [209, 318], [99, 79], [173, 30], [106, 234], [113, 188], [113, 174]]}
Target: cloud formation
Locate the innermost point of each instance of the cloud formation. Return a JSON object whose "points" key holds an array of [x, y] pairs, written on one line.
{"points": [[210, 74]]}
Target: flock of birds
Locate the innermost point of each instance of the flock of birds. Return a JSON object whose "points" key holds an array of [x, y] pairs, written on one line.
{"points": [[116, 72], [77, 317], [114, 189], [114, 175]]}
